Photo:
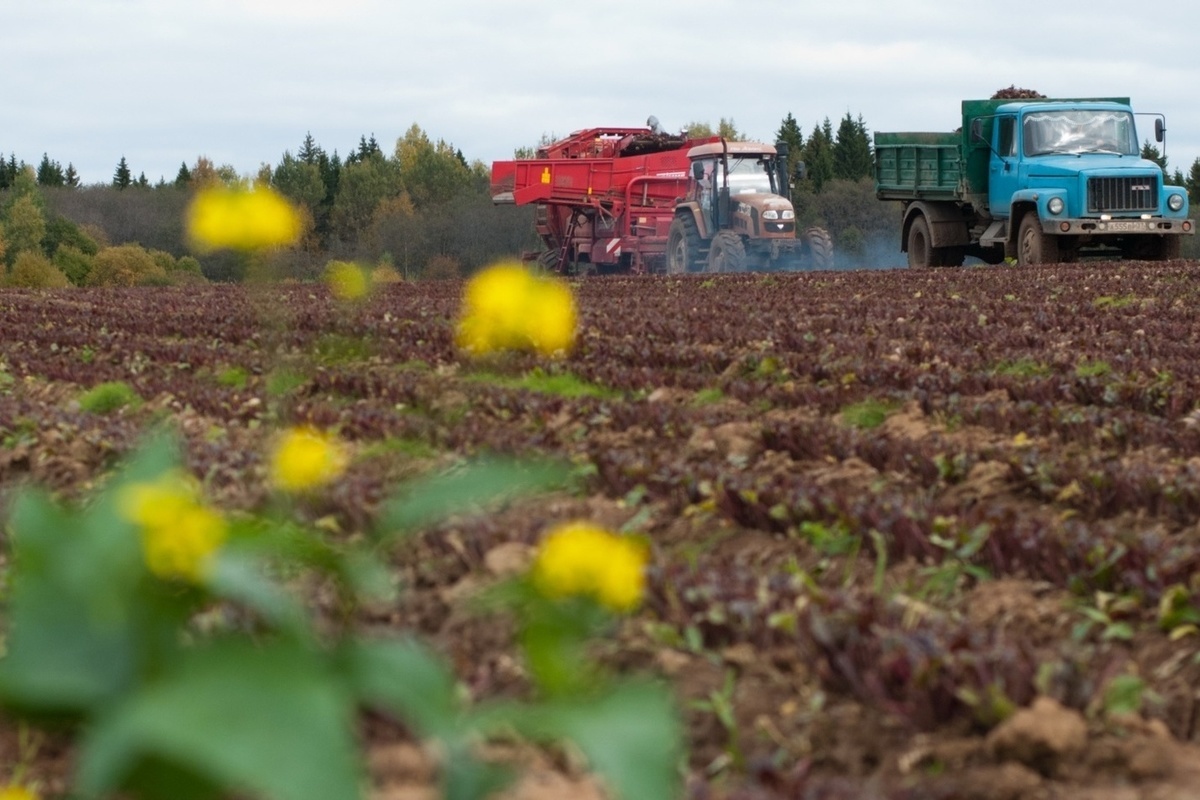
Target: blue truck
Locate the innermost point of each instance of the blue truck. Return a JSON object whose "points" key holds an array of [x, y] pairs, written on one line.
{"points": [[1036, 180]]}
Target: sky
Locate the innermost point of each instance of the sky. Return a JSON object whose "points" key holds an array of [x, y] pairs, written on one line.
{"points": [[240, 82]]}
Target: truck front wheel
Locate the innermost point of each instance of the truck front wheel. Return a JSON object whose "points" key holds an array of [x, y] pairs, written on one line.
{"points": [[683, 246], [1033, 245]]}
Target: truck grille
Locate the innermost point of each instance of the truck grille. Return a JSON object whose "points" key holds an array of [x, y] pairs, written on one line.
{"points": [[1123, 194]]}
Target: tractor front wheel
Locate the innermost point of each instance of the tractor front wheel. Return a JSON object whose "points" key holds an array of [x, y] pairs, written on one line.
{"points": [[727, 253]]}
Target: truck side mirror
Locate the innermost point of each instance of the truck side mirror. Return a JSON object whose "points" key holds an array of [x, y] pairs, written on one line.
{"points": [[977, 131], [697, 170], [800, 171], [1160, 130]]}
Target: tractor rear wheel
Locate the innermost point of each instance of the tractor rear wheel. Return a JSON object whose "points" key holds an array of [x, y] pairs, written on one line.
{"points": [[683, 246], [816, 248], [727, 253]]}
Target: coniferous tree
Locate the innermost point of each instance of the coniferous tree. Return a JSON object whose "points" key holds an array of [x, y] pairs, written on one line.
{"points": [[818, 155], [71, 176], [50, 173], [122, 178], [184, 176], [1151, 153], [790, 134], [310, 152], [852, 150], [142, 183], [1192, 182]]}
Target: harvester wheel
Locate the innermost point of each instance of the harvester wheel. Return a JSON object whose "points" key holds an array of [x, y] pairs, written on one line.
{"points": [[727, 253], [683, 246], [816, 248], [548, 260], [1033, 245]]}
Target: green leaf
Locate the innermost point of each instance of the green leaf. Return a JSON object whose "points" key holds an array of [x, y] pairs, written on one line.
{"points": [[631, 736], [270, 721], [239, 577], [407, 678], [84, 617], [425, 501]]}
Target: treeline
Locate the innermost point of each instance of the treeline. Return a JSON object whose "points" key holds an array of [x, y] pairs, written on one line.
{"points": [[420, 207]]}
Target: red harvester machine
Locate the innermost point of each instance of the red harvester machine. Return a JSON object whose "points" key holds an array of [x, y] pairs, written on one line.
{"points": [[641, 200]]}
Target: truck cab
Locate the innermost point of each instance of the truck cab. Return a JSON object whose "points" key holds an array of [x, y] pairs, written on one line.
{"points": [[1065, 178]]}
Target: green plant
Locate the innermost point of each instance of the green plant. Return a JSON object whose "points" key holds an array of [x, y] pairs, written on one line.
{"points": [[1092, 369], [866, 414], [1109, 615], [1022, 368], [960, 547], [100, 632], [719, 703], [107, 397], [233, 377], [559, 383], [707, 396]]}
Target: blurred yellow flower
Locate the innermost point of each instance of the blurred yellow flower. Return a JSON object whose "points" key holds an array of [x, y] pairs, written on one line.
{"points": [[581, 559], [16, 792], [347, 281], [179, 532], [305, 458], [241, 219], [506, 307]]}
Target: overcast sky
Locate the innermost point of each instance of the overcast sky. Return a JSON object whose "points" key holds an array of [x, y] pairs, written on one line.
{"points": [[162, 82]]}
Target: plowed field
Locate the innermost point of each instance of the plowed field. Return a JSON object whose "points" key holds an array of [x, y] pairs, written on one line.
{"points": [[914, 533]]}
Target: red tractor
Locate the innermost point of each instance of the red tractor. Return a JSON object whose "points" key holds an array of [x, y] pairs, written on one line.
{"points": [[641, 200]]}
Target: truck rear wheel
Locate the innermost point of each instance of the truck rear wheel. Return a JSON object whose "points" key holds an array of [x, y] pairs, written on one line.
{"points": [[1033, 245], [683, 246], [727, 253], [816, 248], [920, 246]]}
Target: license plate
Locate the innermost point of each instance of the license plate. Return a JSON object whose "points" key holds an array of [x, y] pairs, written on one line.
{"points": [[1127, 226]]}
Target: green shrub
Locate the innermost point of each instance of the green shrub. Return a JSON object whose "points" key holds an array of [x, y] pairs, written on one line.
{"points": [[32, 270], [105, 398], [124, 265], [74, 263], [188, 264]]}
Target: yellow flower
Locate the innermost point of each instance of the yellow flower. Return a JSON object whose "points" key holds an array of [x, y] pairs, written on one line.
{"points": [[241, 218], [580, 559], [16, 792], [305, 458], [347, 281], [505, 307], [179, 533]]}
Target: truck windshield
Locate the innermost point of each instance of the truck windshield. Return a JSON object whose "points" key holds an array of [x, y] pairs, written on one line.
{"points": [[749, 174], [1080, 131]]}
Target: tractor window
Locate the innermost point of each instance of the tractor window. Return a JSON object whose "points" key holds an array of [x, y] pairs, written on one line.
{"points": [[748, 174]]}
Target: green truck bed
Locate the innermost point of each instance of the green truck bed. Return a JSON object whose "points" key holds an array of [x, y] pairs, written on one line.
{"points": [[911, 166]]}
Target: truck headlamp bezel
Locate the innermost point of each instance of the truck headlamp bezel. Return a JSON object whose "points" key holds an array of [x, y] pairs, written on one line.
{"points": [[1055, 205], [770, 213], [1175, 201]]}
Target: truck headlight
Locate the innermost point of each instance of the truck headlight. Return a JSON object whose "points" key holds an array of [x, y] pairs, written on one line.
{"points": [[1175, 202], [1054, 205], [770, 213]]}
